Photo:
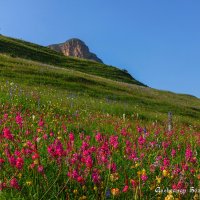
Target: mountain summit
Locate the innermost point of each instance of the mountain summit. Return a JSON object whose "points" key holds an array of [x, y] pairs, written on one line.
{"points": [[75, 48]]}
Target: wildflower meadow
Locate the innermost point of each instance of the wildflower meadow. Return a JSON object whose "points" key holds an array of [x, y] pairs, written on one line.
{"points": [[84, 154]]}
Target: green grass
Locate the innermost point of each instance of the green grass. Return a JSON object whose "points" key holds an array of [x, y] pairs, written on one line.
{"points": [[104, 95]]}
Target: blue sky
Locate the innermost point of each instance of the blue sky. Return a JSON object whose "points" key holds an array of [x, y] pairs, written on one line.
{"points": [[157, 41]]}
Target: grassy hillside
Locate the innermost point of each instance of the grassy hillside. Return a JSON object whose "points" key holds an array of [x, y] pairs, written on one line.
{"points": [[115, 97], [23, 49], [66, 134]]}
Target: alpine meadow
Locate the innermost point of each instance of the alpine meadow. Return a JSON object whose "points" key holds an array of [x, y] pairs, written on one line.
{"points": [[72, 128]]}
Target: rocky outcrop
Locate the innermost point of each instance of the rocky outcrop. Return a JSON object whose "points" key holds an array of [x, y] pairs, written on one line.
{"points": [[75, 48]]}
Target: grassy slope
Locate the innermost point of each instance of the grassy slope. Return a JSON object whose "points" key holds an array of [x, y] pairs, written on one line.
{"points": [[103, 95], [19, 48]]}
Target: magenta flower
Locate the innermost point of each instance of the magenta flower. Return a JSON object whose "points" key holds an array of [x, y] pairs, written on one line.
{"points": [[2, 185], [71, 137], [14, 183], [141, 140], [7, 134], [45, 136], [114, 141], [19, 163], [188, 154], [12, 161], [2, 161], [173, 153], [139, 129], [166, 162], [41, 122], [19, 120], [40, 169], [125, 189], [144, 177], [98, 137], [96, 176]]}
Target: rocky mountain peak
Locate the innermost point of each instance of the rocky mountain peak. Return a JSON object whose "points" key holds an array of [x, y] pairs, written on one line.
{"points": [[76, 48]]}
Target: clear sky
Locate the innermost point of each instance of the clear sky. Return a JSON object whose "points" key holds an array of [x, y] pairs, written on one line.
{"points": [[157, 41]]}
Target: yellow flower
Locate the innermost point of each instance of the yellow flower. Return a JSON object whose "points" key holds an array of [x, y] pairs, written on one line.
{"points": [[196, 197], [36, 162], [95, 188], [139, 173], [20, 175], [75, 191], [28, 183], [152, 187], [115, 191], [82, 198], [114, 177], [158, 179], [83, 187], [59, 137], [169, 196], [143, 172], [24, 144], [165, 172], [137, 164]]}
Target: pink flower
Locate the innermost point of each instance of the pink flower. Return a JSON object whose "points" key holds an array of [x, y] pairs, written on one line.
{"points": [[17, 153], [188, 154], [75, 174], [12, 161], [133, 183], [51, 134], [2, 161], [45, 136], [7, 134], [40, 169], [165, 145], [124, 132], [71, 137], [112, 167], [96, 176], [144, 177], [114, 141], [185, 167], [173, 153], [41, 122], [35, 156], [139, 129], [125, 189], [19, 163], [19, 120], [14, 183], [2, 185], [98, 137], [166, 162], [5, 116], [88, 161], [80, 179], [141, 140]]}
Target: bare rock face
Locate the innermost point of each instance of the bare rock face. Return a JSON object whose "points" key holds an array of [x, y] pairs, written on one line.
{"points": [[75, 48]]}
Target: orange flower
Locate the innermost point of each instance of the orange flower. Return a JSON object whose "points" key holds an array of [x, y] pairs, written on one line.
{"points": [[115, 191]]}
